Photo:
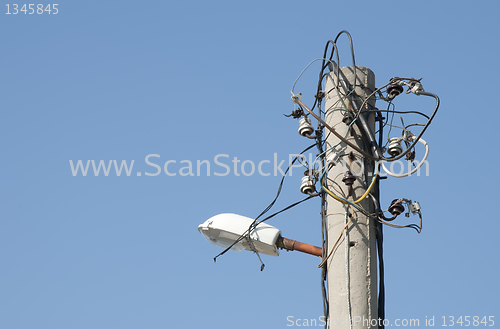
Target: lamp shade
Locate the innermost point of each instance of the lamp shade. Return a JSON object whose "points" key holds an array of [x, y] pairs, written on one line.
{"points": [[224, 229]]}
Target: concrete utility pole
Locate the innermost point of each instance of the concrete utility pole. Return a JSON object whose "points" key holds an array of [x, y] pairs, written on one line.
{"points": [[352, 267]]}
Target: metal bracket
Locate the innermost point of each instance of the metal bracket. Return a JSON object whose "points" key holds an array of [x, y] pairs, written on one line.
{"points": [[297, 98], [414, 207]]}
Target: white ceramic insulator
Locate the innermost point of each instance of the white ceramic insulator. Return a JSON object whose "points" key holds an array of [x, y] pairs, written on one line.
{"points": [[395, 148], [305, 127], [307, 185], [426, 154]]}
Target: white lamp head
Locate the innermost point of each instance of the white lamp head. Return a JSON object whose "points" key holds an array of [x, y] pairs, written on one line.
{"points": [[224, 229]]}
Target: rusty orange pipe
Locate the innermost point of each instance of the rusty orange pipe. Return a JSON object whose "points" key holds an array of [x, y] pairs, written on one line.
{"points": [[290, 244]]}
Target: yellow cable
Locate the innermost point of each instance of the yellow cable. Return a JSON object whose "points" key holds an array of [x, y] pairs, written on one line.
{"points": [[333, 195], [363, 196], [368, 190]]}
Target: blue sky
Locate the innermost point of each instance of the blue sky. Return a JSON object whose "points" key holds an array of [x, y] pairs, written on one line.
{"points": [[119, 80]]}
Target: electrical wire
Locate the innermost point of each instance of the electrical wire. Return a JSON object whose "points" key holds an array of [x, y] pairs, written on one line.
{"points": [[323, 67], [281, 184], [389, 124], [355, 147], [335, 65], [252, 227], [374, 178], [307, 66], [363, 124], [323, 261], [416, 227], [379, 236], [380, 217], [399, 112], [352, 52], [317, 99], [347, 276], [322, 154], [324, 237], [256, 222], [346, 92], [421, 140], [378, 90], [346, 202], [372, 94], [414, 124]]}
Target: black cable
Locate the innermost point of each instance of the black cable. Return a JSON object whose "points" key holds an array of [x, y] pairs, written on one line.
{"points": [[281, 184], [336, 52], [381, 131], [381, 285], [252, 227], [324, 237], [416, 227], [379, 236], [326, 305], [363, 125], [284, 209], [367, 155], [399, 112], [256, 222], [323, 66], [380, 243], [314, 104], [352, 53], [322, 75], [387, 121], [382, 216]]}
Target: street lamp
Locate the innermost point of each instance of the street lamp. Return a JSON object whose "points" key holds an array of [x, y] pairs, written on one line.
{"points": [[225, 229]]}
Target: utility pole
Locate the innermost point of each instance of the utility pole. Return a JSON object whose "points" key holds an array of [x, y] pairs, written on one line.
{"points": [[351, 218], [352, 265]]}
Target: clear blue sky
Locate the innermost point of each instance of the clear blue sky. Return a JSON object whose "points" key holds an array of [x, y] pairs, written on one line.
{"points": [[118, 80]]}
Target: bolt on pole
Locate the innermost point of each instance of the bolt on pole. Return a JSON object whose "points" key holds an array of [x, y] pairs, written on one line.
{"points": [[352, 266]]}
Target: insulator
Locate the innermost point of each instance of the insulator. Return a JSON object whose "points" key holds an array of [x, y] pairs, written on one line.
{"points": [[349, 178], [348, 118], [396, 208], [307, 185], [332, 158], [393, 90], [395, 148], [305, 127]]}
